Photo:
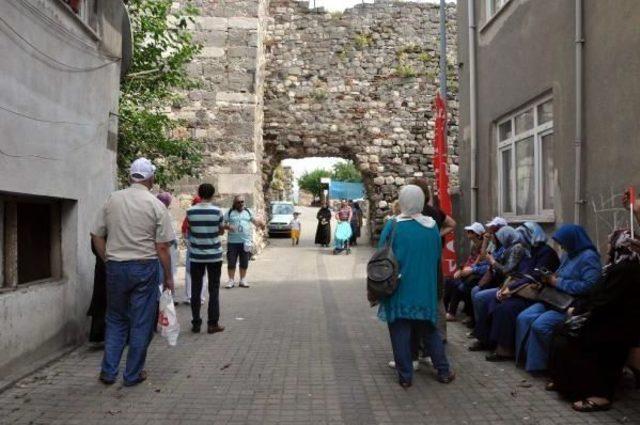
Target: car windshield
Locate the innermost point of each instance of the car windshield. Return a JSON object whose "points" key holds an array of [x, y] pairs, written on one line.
{"points": [[282, 209]]}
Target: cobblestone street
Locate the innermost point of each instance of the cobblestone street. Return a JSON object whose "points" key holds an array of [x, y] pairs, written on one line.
{"points": [[301, 347]]}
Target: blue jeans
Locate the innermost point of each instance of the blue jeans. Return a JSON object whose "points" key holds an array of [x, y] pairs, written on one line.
{"points": [[482, 301], [401, 331], [132, 297]]}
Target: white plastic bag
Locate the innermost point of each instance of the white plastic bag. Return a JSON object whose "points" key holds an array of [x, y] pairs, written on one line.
{"points": [[168, 319]]}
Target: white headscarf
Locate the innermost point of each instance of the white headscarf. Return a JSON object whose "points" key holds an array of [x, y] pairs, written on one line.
{"points": [[411, 200]]}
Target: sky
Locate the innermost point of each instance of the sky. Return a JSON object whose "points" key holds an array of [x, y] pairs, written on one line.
{"points": [[340, 5]]}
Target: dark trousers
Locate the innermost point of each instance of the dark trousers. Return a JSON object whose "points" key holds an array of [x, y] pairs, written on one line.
{"points": [[132, 298], [405, 336], [197, 274]]}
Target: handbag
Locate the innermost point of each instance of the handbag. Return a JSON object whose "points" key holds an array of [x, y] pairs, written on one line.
{"points": [[486, 279], [555, 298], [383, 271]]}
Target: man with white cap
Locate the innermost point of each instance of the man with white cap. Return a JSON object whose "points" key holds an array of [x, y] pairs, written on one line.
{"points": [[139, 234]]}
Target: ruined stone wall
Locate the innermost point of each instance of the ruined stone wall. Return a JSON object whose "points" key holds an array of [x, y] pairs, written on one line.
{"points": [[358, 85]]}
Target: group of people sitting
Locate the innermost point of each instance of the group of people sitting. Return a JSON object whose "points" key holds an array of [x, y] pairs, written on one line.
{"points": [[551, 306]]}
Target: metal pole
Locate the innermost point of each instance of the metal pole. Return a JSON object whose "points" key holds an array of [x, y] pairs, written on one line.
{"points": [[579, 118], [473, 122]]}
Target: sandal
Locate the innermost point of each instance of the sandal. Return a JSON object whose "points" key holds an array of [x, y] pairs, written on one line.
{"points": [[590, 406], [551, 386]]}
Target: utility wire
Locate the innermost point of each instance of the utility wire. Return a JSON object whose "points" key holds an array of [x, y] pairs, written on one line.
{"points": [[56, 63], [23, 115]]}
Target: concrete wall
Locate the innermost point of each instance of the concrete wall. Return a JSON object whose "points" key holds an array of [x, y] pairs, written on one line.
{"points": [[527, 50], [58, 91]]}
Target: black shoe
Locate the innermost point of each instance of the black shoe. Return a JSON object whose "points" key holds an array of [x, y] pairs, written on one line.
{"points": [[477, 346], [105, 379], [141, 378], [195, 329], [495, 357]]}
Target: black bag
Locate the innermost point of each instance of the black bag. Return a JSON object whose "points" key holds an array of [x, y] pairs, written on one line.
{"points": [[555, 298], [574, 325], [383, 271]]}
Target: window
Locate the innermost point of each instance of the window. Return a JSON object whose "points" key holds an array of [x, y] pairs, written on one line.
{"points": [[493, 6], [31, 240], [85, 9], [525, 162]]}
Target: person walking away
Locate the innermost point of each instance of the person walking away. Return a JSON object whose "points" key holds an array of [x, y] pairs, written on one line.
{"points": [[187, 263], [586, 362], [98, 307], [356, 223], [239, 221], [323, 231], [206, 226], [166, 199], [579, 270], [413, 307], [296, 228], [140, 231]]}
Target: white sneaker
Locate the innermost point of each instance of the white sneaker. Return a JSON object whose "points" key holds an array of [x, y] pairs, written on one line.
{"points": [[230, 284], [416, 365], [244, 284], [425, 360]]}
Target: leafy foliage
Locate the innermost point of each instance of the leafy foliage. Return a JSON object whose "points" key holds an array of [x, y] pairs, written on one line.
{"points": [[162, 47], [342, 171], [406, 71], [346, 172], [310, 181]]}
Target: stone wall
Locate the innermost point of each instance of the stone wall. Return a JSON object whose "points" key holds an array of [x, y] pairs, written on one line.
{"points": [[358, 85], [225, 113]]}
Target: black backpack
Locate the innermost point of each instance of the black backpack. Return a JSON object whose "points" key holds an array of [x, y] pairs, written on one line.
{"points": [[383, 270]]}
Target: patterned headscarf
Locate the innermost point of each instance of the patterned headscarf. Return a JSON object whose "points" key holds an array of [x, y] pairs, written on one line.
{"points": [[507, 236], [537, 234], [165, 198], [619, 248]]}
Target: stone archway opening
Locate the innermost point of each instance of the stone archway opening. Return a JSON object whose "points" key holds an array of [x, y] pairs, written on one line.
{"points": [[285, 182]]}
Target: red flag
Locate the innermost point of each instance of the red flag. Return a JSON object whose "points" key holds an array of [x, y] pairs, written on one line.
{"points": [[449, 258]]}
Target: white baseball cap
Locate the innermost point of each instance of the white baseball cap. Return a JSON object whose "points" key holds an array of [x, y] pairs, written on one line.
{"points": [[476, 228], [142, 169], [497, 222]]}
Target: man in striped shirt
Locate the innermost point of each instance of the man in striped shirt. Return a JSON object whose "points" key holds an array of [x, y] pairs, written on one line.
{"points": [[205, 250]]}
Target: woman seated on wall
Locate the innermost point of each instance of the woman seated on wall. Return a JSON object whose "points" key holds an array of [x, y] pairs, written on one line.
{"points": [[590, 349], [514, 259], [505, 308], [459, 288], [579, 270]]}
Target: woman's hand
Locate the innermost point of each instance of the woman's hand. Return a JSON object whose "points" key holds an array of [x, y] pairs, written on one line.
{"points": [[570, 311], [503, 294], [551, 280], [491, 260]]}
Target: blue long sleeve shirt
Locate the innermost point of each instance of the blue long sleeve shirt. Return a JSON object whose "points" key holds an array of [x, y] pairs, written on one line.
{"points": [[578, 274]]}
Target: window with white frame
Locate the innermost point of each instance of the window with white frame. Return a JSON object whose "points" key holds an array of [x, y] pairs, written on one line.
{"points": [[525, 161], [493, 6]]}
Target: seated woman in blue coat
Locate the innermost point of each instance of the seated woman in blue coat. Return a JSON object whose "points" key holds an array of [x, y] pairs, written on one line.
{"points": [[411, 313], [506, 307], [579, 270]]}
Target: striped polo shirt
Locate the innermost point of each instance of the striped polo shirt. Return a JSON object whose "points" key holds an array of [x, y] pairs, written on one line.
{"points": [[205, 221]]}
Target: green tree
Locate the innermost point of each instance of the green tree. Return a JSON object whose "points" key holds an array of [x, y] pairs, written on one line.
{"points": [[310, 181], [346, 172], [162, 47]]}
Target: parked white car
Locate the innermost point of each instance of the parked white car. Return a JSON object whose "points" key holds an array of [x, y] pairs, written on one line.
{"points": [[280, 216]]}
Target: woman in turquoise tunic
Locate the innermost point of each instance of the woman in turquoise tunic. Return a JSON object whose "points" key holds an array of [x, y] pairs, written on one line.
{"points": [[413, 308]]}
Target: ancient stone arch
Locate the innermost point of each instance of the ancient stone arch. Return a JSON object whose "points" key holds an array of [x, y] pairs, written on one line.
{"points": [[282, 81]]}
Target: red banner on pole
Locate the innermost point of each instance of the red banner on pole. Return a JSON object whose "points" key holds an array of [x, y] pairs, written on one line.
{"points": [[449, 257]]}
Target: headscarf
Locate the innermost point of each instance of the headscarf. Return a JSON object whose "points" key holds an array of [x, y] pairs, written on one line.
{"points": [[538, 236], [507, 236], [165, 198], [525, 235], [411, 200], [573, 239], [619, 248]]}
